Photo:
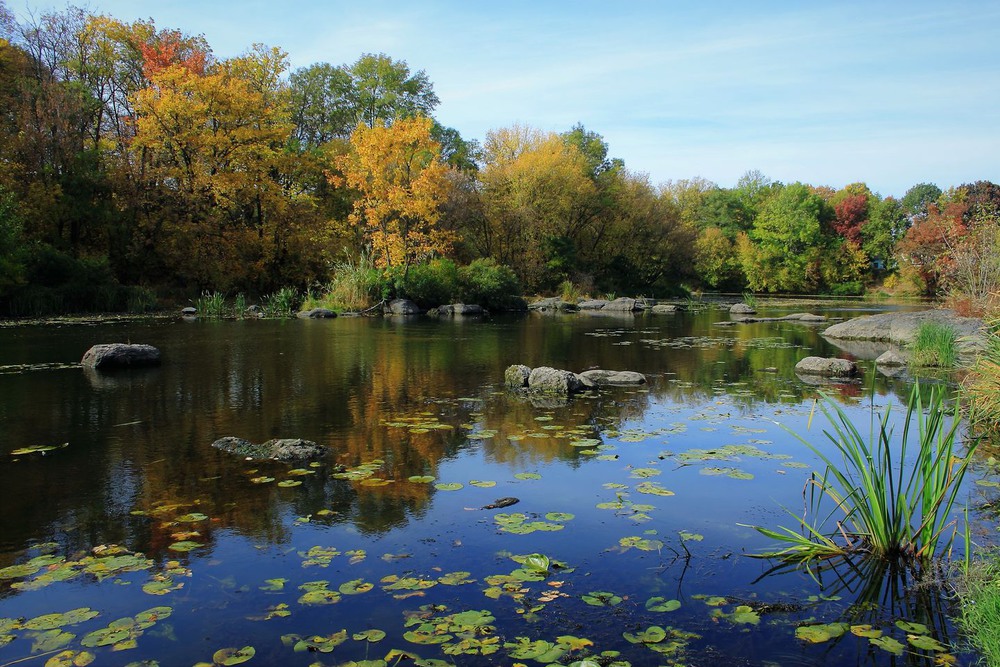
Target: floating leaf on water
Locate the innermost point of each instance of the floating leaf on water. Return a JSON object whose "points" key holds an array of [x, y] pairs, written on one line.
{"points": [[601, 599], [22, 570], [233, 656], [560, 516], [455, 578], [319, 597], [106, 636], [375, 481], [288, 483], [52, 621], [641, 543], [482, 484], [712, 600], [543, 418], [51, 640], [261, 480], [421, 637], [585, 442], [37, 449], [192, 517], [572, 643], [299, 472], [355, 587], [318, 643], [865, 630], [794, 464], [421, 479], [926, 643], [745, 614], [527, 475], [913, 628], [691, 537], [816, 634], [651, 635], [279, 610], [71, 658], [889, 644], [614, 485], [641, 473], [662, 604], [525, 649], [371, 636], [653, 489], [185, 546], [448, 486]]}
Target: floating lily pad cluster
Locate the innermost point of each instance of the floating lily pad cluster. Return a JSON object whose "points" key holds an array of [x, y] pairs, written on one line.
{"points": [[519, 523], [917, 635]]}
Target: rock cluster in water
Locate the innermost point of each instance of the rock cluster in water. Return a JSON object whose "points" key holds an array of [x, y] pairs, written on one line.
{"points": [[546, 380]]}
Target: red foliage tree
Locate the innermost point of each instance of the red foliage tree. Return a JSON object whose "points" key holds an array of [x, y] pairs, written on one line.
{"points": [[852, 213]]}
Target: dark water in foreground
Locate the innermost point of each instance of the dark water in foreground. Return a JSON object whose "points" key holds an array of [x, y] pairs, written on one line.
{"points": [[644, 537]]}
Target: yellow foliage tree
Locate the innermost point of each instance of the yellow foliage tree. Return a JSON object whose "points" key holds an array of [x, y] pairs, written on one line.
{"points": [[402, 183]]}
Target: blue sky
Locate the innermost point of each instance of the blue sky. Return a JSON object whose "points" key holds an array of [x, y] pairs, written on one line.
{"points": [[889, 93]]}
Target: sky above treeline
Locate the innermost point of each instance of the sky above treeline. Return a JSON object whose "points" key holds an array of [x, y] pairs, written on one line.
{"points": [[889, 93]]}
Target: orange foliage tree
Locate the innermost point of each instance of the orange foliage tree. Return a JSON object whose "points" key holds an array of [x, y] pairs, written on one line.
{"points": [[402, 183]]}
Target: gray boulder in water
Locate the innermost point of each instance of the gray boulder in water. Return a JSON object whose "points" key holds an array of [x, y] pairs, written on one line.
{"points": [[516, 376], [601, 377], [121, 355], [827, 367], [554, 381], [279, 449]]}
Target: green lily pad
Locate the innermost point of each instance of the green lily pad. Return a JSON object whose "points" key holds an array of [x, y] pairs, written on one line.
{"points": [[448, 486], [865, 630], [662, 604], [371, 636], [653, 489], [51, 640], [274, 585], [455, 578], [651, 635], [560, 516], [185, 546], [483, 484], [889, 644], [192, 517], [816, 634], [52, 621], [233, 656], [264, 479], [926, 643], [288, 483], [601, 599], [421, 479], [691, 537], [355, 587], [527, 475], [319, 597], [913, 628], [744, 614], [70, 658]]}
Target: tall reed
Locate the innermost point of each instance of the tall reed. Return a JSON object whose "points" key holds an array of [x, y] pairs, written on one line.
{"points": [[880, 495], [934, 345]]}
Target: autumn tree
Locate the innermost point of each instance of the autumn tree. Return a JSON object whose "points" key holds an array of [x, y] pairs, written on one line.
{"points": [[531, 185], [401, 184], [924, 253]]}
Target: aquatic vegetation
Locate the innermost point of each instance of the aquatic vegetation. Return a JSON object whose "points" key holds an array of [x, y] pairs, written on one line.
{"points": [[889, 501], [935, 345]]}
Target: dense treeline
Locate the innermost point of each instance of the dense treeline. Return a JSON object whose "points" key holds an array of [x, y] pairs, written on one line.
{"points": [[135, 162]]}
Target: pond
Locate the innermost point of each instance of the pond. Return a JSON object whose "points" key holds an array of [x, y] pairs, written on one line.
{"points": [[137, 541]]}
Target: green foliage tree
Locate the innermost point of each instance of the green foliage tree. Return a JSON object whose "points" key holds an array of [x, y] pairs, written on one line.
{"points": [[887, 223], [789, 238], [918, 198], [383, 89]]}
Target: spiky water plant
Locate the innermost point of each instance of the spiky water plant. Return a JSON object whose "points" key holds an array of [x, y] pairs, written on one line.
{"points": [[880, 495]]}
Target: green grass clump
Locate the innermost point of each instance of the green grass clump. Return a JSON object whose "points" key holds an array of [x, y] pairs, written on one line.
{"points": [[980, 601], [750, 299], [935, 345], [881, 496], [984, 385]]}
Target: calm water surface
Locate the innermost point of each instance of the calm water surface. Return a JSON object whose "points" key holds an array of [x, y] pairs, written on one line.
{"points": [[139, 512]]}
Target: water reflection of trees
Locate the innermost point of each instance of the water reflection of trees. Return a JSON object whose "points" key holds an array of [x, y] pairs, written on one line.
{"points": [[141, 440]]}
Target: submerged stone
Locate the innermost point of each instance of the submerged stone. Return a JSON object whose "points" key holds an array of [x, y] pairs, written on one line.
{"points": [[604, 377], [279, 449]]}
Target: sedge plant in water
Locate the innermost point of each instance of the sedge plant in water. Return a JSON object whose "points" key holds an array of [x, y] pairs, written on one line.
{"points": [[881, 496]]}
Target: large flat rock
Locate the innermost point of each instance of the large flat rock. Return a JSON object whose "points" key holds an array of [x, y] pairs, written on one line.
{"points": [[121, 355], [901, 328]]}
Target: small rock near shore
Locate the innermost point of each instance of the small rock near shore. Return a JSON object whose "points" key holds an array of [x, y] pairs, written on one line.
{"points": [[741, 309], [316, 314], [827, 367], [121, 355], [891, 358], [516, 376]]}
